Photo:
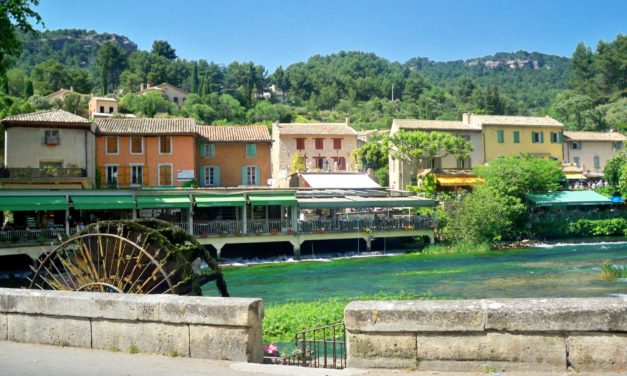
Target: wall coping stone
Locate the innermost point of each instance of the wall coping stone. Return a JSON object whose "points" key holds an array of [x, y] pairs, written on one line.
{"points": [[512, 315]]}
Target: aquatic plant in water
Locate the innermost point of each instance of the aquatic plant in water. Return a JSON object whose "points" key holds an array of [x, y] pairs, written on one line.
{"points": [[612, 271]]}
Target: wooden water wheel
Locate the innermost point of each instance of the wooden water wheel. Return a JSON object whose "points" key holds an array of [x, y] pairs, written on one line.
{"points": [[138, 257]]}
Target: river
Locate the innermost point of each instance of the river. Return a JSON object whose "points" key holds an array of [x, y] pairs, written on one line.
{"points": [[560, 270]]}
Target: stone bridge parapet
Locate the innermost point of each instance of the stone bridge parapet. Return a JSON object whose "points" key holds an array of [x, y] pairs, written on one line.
{"points": [[199, 327], [580, 334]]}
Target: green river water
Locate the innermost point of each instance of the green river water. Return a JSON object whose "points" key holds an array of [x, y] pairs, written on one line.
{"points": [[567, 270]]}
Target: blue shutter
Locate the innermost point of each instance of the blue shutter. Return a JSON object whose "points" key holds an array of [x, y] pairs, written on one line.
{"points": [[212, 150], [202, 150], [257, 176], [243, 175], [216, 176], [202, 176]]}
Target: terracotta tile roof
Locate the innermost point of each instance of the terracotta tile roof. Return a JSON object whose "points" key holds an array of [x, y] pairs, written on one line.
{"points": [[594, 136], [46, 119], [233, 133], [314, 129], [529, 121], [434, 125], [144, 126]]}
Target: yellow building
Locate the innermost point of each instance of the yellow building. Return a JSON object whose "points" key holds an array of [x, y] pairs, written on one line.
{"points": [[511, 135]]}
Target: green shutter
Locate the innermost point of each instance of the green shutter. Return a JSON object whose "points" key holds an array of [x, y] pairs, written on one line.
{"points": [[257, 175], [251, 150], [541, 137], [202, 176], [202, 150], [560, 137], [243, 175], [500, 136], [516, 137], [216, 175], [533, 137]]}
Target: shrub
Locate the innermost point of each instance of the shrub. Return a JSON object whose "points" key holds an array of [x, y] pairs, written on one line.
{"points": [[599, 227], [611, 271]]}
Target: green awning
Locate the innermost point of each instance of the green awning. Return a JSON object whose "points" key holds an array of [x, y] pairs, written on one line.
{"points": [[32, 203], [163, 201], [568, 198], [285, 199], [212, 201], [103, 202]]}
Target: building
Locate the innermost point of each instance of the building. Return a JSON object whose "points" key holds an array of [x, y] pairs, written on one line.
{"points": [[233, 155], [143, 152], [102, 107], [48, 148], [59, 94], [511, 135], [322, 147], [170, 92], [591, 150], [400, 171]]}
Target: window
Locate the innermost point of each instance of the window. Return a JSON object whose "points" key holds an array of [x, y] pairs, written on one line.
{"points": [[597, 162], [111, 174], [337, 143], [165, 174], [500, 136], [575, 146], [300, 144], [464, 163], [319, 163], [251, 150], [339, 163], [577, 162], [137, 175], [251, 175], [110, 110], [516, 137], [176, 100], [555, 138], [51, 137], [102, 109], [319, 144], [165, 144], [617, 145], [112, 145], [537, 137], [208, 150], [210, 176], [52, 165], [137, 145]]}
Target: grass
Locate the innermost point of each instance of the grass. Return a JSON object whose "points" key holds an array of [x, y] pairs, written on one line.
{"points": [[282, 322], [610, 271], [456, 249], [173, 353], [133, 349]]}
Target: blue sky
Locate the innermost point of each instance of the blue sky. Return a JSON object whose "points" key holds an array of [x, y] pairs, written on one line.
{"points": [[282, 32]]}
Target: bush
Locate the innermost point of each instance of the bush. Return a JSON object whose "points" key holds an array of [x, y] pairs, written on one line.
{"points": [[599, 227]]}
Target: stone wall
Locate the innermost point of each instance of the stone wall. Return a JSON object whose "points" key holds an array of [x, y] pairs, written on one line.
{"points": [[199, 327], [489, 335]]}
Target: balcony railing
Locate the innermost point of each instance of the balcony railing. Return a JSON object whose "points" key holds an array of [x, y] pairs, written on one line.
{"points": [[42, 173]]}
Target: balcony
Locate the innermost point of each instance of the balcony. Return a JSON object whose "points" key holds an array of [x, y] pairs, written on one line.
{"points": [[42, 173]]}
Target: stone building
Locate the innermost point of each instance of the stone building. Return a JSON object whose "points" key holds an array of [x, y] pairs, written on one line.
{"points": [[170, 92], [322, 147], [590, 151]]}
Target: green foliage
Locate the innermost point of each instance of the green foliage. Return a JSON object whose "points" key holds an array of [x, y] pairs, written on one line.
{"points": [[412, 146], [297, 164], [462, 247], [613, 171], [111, 61], [598, 227], [15, 15], [163, 48], [610, 271], [148, 104], [382, 175], [372, 155]]}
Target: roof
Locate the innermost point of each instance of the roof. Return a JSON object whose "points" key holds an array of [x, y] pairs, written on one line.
{"points": [[528, 121], [104, 99], [346, 180], [161, 86], [315, 129], [144, 126], [434, 125], [594, 136], [60, 91], [568, 198], [46, 118], [234, 133]]}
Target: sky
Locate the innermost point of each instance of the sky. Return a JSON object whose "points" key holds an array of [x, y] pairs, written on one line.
{"points": [[283, 32]]}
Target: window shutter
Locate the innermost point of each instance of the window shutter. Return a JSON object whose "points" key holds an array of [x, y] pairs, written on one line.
{"points": [[257, 175], [243, 175], [541, 137], [202, 150], [560, 137], [202, 175], [212, 150], [216, 175]]}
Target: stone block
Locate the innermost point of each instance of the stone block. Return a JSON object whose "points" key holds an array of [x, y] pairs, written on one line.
{"points": [[512, 351], [52, 330], [3, 327], [415, 316], [238, 344], [381, 350], [145, 337], [566, 314], [594, 352]]}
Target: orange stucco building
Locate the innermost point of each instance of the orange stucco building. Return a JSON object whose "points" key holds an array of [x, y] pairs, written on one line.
{"points": [[233, 155], [143, 152]]}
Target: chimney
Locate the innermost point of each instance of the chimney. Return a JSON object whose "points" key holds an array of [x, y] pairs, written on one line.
{"points": [[466, 117], [141, 87], [612, 130], [348, 121]]}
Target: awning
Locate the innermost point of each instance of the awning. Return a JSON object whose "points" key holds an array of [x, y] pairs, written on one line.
{"points": [[364, 202], [103, 202], [575, 176], [569, 198], [285, 199], [32, 203], [459, 181], [211, 201], [163, 201], [324, 180]]}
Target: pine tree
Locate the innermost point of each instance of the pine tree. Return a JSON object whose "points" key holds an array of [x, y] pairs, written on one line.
{"points": [[195, 82], [583, 71]]}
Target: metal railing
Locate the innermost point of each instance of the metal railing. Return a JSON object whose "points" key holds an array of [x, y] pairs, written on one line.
{"points": [[573, 216], [42, 173], [269, 225], [217, 228], [35, 234], [362, 224]]}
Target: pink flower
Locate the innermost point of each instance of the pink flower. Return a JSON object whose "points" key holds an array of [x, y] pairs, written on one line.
{"points": [[271, 350]]}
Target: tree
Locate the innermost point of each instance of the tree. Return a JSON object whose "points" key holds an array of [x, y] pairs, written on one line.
{"points": [[74, 103], [582, 72], [412, 146], [297, 164], [611, 62], [79, 79], [148, 104], [573, 110], [465, 88], [195, 80], [614, 167], [111, 60], [15, 15], [48, 77], [163, 48], [372, 155], [17, 82]]}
